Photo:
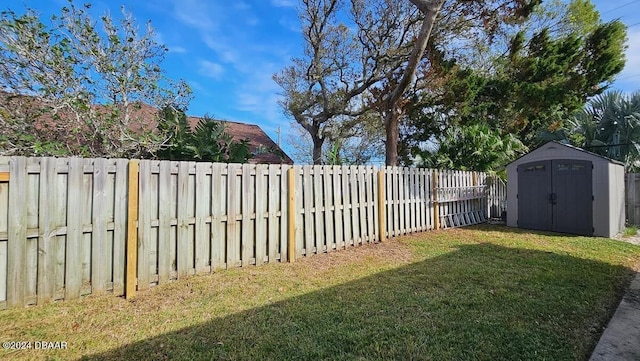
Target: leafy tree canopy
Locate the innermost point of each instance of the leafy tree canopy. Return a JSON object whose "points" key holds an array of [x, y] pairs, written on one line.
{"points": [[80, 86], [546, 74]]}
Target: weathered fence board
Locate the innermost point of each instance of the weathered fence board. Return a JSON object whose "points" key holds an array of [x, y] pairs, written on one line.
{"points": [[63, 222], [632, 198], [4, 229], [17, 232]]}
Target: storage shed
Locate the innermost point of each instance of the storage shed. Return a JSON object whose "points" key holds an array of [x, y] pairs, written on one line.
{"points": [[561, 188]]}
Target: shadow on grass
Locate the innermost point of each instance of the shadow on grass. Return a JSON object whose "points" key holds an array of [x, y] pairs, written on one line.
{"points": [[480, 302]]}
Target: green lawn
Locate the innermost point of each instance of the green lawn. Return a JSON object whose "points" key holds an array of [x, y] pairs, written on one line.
{"points": [[479, 293]]}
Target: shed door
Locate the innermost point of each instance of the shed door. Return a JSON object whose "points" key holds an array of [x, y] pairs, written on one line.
{"points": [[573, 191], [556, 195], [534, 189]]}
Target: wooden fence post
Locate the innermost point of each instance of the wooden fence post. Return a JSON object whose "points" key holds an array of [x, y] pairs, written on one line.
{"points": [[436, 207], [132, 230], [381, 206], [291, 209]]}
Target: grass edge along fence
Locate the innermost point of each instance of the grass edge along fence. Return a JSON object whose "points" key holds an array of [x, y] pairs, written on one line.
{"points": [[74, 226]]}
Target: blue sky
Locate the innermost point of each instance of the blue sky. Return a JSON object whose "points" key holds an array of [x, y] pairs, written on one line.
{"points": [[227, 51]]}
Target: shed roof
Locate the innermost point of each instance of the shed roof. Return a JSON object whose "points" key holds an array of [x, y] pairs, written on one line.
{"points": [[545, 148]]}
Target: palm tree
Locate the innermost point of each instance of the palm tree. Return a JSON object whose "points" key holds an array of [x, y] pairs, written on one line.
{"points": [[609, 125]]}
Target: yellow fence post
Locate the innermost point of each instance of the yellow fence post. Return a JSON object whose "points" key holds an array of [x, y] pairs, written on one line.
{"points": [[291, 209], [4, 176], [132, 230], [436, 207], [381, 206]]}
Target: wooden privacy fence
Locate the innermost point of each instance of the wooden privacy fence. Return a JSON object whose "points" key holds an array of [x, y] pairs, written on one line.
{"points": [[71, 227], [632, 197]]}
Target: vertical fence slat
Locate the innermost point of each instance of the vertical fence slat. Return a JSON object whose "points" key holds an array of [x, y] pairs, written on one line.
{"points": [[347, 208], [328, 208], [293, 217], [396, 201], [99, 255], [4, 228], [17, 233], [164, 221], [338, 207], [46, 230], [119, 226], [362, 202], [73, 274], [183, 241], [373, 203], [318, 209], [31, 198], [233, 235], [289, 196], [262, 196], [307, 192], [247, 208], [144, 225], [202, 229], [388, 196], [382, 232], [355, 206], [218, 210], [274, 196], [630, 189]]}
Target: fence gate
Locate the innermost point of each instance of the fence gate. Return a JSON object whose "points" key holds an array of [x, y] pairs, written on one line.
{"points": [[556, 195]]}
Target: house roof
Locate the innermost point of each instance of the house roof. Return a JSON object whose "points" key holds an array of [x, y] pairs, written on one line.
{"points": [[263, 148]]}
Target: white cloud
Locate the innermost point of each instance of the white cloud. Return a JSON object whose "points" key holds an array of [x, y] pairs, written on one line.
{"points": [[284, 3], [629, 79], [176, 49], [259, 95], [226, 52], [194, 13], [291, 24], [211, 69], [633, 52]]}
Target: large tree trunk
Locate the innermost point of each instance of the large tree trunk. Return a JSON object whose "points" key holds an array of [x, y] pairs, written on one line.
{"points": [[430, 9], [317, 149], [392, 128]]}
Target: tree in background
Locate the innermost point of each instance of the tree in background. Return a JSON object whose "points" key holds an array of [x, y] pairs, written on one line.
{"points": [[82, 87], [609, 125], [474, 147], [363, 147], [350, 69], [537, 75], [325, 91], [481, 17], [208, 141]]}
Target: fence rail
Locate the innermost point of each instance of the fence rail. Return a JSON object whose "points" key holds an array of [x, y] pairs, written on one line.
{"points": [[70, 227]]}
